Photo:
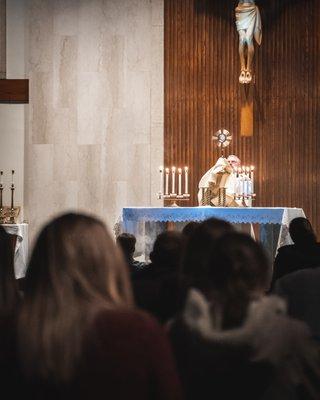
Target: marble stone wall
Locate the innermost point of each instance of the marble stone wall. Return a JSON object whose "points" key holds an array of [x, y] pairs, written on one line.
{"points": [[2, 39], [12, 116], [95, 120]]}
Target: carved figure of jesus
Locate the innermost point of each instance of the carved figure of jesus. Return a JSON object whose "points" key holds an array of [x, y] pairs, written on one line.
{"points": [[248, 22]]}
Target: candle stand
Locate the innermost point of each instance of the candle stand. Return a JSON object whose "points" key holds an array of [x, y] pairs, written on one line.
{"points": [[245, 199], [173, 198], [2, 213]]}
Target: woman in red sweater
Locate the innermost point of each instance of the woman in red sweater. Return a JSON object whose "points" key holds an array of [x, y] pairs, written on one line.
{"points": [[78, 334]]}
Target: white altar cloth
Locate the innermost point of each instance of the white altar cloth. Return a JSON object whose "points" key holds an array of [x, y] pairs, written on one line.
{"points": [[273, 221], [21, 249]]}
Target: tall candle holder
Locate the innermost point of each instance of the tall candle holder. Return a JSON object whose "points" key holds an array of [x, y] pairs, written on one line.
{"points": [[12, 213], [176, 195], [2, 213]]}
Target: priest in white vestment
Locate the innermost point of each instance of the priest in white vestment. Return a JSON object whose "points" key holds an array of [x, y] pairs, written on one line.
{"points": [[221, 175]]}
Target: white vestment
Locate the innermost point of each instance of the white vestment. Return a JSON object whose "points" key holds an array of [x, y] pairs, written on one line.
{"points": [[228, 181]]}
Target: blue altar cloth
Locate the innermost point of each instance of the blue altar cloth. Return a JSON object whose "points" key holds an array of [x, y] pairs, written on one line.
{"points": [[238, 215], [273, 221]]}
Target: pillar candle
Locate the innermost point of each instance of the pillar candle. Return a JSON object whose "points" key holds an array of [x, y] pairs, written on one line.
{"points": [[252, 183], [173, 170], [167, 180], [179, 183], [186, 180], [248, 183], [161, 179]]}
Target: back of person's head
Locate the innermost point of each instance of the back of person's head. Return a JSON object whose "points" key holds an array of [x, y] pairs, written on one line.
{"points": [[9, 296], [167, 250], [188, 229], [199, 246], [75, 270], [301, 231], [127, 243], [237, 271]]}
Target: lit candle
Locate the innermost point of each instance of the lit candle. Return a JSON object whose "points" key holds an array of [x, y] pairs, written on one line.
{"points": [[186, 180], [242, 182], [161, 179], [179, 183], [12, 173], [1, 175], [173, 180], [252, 185], [167, 180]]}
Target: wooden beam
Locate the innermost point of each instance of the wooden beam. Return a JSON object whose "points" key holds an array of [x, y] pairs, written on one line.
{"points": [[14, 91]]}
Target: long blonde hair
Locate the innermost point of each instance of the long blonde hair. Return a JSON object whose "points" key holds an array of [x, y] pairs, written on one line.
{"points": [[75, 270]]}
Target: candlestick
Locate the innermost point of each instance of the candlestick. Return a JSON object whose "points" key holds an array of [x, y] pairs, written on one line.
{"points": [[173, 180], [12, 212], [161, 179], [179, 181], [167, 181], [252, 184], [186, 180]]}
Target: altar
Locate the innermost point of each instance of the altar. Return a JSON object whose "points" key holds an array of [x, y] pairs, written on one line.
{"points": [[147, 222]]}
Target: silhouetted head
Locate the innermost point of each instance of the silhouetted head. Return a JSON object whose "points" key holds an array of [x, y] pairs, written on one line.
{"points": [[167, 249], [301, 231], [9, 296], [127, 243], [188, 229], [237, 271], [198, 249]]}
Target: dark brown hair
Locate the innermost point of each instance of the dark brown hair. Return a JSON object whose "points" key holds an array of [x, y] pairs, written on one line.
{"points": [[301, 232], [127, 243], [75, 270], [237, 271], [199, 245]]}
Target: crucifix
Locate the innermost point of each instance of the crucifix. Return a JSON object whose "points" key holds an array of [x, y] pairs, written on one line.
{"points": [[248, 23]]}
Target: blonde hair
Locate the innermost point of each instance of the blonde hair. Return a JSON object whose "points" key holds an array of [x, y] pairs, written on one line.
{"points": [[75, 270]]}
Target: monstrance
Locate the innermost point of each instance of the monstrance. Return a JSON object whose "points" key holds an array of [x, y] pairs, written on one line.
{"points": [[223, 139]]}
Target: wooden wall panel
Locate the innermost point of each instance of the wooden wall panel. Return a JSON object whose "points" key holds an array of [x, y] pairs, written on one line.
{"points": [[202, 94]]}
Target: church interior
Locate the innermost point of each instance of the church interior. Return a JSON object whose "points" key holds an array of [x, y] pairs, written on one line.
{"points": [[159, 198]]}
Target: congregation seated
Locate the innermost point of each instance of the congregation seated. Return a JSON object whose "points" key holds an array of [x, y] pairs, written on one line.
{"points": [[78, 334], [304, 253], [127, 244], [156, 289], [232, 341]]}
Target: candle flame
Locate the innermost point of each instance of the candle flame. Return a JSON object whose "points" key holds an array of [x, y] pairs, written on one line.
{"points": [[180, 170], [252, 167], [173, 169], [167, 170]]}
